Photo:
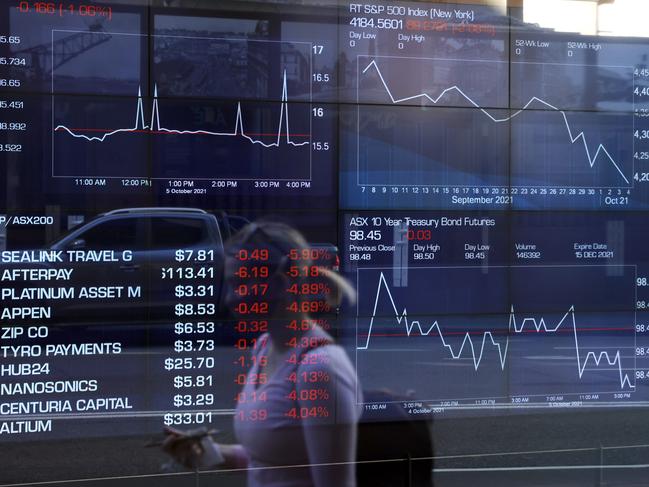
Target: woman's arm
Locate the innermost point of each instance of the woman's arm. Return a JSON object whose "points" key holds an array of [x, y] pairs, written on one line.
{"points": [[235, 456], [330, 439], [203, 453]]}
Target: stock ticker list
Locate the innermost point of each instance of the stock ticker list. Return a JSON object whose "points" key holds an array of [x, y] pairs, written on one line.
{"points": [[161, 349], [42, 366], [487, 205]]}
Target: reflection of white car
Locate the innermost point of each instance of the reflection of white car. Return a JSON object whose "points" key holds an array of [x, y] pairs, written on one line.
{"points": [[151, 238], [3, 234], [159, 244]]}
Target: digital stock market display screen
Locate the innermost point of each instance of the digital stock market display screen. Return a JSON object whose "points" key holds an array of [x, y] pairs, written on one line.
{"points": [[236, 218]]}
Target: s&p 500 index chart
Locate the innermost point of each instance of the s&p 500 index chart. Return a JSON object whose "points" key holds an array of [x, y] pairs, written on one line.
{"points": [[494, 113], [475, 311], [143, 99]]}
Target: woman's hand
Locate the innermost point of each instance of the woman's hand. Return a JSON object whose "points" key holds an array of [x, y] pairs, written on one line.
{"points": [[192, 449]]}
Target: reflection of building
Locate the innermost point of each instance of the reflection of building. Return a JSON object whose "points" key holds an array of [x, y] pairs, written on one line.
{"points": [[196, 63], [46, 58], [192, 66], [257, 59], [296, 64], [480, 72], [612, 85]]}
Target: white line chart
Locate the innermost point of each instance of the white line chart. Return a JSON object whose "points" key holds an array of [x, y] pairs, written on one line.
{"points": [[155, 126], [515, 326], [600, 152]]}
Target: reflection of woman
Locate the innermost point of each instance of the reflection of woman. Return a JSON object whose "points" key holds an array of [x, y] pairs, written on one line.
{"points": [[298, 404]]}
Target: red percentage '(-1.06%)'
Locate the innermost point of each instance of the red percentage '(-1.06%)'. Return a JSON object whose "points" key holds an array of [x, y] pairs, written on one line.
{"points": [[66, 9]]}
